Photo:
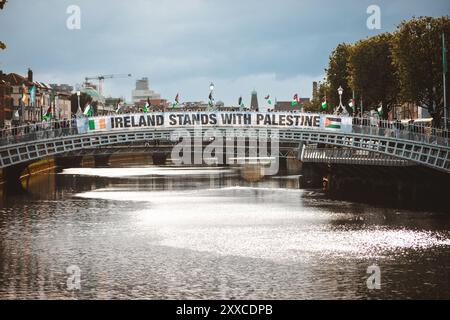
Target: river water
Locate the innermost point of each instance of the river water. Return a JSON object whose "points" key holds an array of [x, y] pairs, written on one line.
{"points": [[145, 232]]}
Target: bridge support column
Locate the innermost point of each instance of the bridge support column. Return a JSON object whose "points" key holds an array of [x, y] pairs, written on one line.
{"points": [[300, 150]]}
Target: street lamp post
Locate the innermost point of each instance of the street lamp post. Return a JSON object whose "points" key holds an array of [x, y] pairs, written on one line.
{"points": [[211, 99], [340, 91], [78, 95]]}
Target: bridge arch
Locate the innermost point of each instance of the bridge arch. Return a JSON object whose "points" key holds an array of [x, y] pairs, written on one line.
{"points": [[431, 155]]}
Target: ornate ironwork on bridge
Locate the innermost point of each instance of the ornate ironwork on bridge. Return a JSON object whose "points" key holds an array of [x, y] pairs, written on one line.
{"points": [[428, 147]]}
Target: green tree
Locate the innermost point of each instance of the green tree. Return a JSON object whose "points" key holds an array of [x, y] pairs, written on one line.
{"points": [[338, 75], [417, 54], [84, 100], [323, 90], [2, 5], [373, 74]]}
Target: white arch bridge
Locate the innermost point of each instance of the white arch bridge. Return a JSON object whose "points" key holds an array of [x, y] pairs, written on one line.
{"points": [[424, 146]]}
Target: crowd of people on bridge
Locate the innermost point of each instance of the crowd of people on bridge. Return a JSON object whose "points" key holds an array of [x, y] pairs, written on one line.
{"points": [[406, 129], [37, 130]]}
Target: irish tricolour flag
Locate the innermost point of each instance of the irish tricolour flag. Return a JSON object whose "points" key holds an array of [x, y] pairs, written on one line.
{"points": [[97, 124], [333, 123]]}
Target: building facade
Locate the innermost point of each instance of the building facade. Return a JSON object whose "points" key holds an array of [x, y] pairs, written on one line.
{"points": [[408, 111], [6, 102], [254, 100], [142, 93], [30, 99]]}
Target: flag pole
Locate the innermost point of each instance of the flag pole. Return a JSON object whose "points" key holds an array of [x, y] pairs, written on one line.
{"points": [[444, 71]]}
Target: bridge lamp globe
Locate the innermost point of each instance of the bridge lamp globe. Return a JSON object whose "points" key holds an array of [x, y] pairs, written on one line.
{"points": [[211, 86], [340, 91], [78, 95]]}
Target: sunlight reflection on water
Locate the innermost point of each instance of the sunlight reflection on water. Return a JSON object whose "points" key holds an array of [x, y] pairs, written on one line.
{"points": [[156, 233]]}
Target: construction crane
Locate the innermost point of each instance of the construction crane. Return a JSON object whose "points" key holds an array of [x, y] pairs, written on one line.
{"points": [[102, 78]]}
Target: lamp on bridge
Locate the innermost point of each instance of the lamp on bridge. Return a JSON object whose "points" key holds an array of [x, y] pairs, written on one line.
{"points": [[341, 106], [79, 107], [211, 99]]}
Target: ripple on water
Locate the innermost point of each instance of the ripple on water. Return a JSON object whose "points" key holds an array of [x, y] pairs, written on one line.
{"points": [[234, 221]]}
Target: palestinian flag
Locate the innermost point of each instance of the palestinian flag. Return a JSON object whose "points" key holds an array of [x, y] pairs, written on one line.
{"points": [[88, 111], [352, 104], [48, 114], [324, 104], [269, 101], [380, 111], [119, 106], [333, 123], [241, 103], [97, 124], [147, 106], [177, 100], [211, 100], [295, 101]]}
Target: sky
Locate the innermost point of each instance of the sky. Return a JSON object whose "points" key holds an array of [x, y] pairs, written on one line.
{"points": [[274, 47]]}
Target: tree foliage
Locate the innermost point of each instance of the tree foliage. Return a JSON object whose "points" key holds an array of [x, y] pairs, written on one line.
{"points": [[373, 74], [393, 68], [84, 100], [338, 75], [2, 5], [323, 90], [417, 53]]}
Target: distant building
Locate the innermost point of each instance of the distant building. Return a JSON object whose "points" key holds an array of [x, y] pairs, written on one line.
{"points": [[62, 87], [408, 110], [195, 106], [31, 110], [6, 102], [142, 93], [254, 100]]}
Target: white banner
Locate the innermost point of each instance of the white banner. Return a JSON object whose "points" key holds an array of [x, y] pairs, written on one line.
{"points": [[212, 119]]}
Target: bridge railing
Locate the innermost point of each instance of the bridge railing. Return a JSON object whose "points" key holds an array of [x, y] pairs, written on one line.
{"points": [[38, 131], [397, 130], [365, 126], [349, 156]]}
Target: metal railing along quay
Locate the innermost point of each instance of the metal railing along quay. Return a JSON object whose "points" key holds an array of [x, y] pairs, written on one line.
{"points": [[350, 156]]}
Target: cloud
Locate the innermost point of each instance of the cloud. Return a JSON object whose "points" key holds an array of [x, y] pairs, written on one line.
{"points": [[186, 42]]}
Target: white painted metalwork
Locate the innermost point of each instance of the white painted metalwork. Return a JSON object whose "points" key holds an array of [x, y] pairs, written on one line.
{"points": [[351, 156], [425, 148]]}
